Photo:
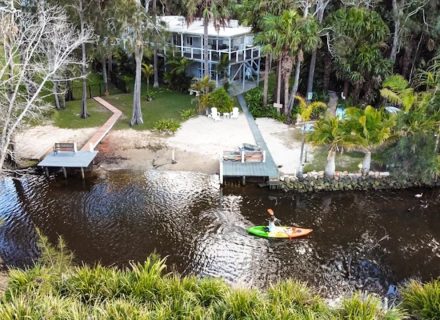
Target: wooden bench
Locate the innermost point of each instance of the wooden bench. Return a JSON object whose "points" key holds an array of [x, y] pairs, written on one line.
{"points": [[65, 147]]}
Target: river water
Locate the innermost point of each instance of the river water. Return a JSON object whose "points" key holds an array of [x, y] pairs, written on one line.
{"points": [[361, 240]]}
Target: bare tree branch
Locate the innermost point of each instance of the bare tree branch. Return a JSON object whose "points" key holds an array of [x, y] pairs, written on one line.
{"points": [[37, 48]]}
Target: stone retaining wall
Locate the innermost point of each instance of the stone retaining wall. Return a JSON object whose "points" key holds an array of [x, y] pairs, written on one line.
{"points": [[315, 181]]}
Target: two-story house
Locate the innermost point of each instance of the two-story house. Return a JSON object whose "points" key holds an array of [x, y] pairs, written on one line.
{"points": [[232, 44]]}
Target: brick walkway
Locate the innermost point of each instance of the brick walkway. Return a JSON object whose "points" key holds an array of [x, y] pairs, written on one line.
{"points": [[105, 128]]}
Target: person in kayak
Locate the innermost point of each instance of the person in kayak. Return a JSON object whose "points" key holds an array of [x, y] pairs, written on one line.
{"points": [[272, 219]]}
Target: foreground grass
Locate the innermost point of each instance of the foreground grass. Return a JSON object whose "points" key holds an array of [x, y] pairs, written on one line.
{"points": [[165, 105], [56, 289]]}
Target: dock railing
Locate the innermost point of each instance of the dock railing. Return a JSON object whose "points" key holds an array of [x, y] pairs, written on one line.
{"points": [[244, 156]]}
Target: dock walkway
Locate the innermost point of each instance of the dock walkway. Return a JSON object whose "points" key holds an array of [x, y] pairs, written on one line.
{"points": [[266, 169], [82, 158], [105, 128]]}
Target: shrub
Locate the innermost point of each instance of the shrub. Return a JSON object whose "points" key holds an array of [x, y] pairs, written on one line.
{"points": [[166, 125], [146, 291], [187, 113], [221, 100], [413, 157], [422, 301], [367, 307], [254, 100]]}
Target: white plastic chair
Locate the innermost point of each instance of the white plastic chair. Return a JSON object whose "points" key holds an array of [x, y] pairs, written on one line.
{"points": [[214, 114], [234, 114]]}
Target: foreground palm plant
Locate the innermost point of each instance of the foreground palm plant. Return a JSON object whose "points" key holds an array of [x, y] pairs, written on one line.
{"points": [[369, 128], [330, 131]]}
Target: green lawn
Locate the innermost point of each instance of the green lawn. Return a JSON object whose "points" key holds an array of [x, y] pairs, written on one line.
{"points": [[347, 161], [165, 105], [69, 117]]}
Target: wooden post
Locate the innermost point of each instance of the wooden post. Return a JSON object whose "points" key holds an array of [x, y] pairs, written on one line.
{"points": [[244, 180], [173, 160], [46, 169], [65, 173], [242, 156], [221, 171], [82, 173]]}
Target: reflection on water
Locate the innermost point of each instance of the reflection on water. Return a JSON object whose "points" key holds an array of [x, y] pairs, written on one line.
{"points": [[361, 240]]}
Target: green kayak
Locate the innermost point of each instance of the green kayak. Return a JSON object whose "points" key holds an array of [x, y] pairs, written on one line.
{"points": [[281, 232]]}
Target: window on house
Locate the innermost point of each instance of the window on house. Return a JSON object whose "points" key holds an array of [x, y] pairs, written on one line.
{"points": [[189, 41]]}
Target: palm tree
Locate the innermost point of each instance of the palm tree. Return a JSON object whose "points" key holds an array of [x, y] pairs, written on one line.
{"points": [[222, 67], [305, 115], [253, 13], [330, 131], [204, 86], [142, 32], [281, 35], [309, 30], [396, 90], [287, 37], [148, 71], [369, 129], [215, 11]]}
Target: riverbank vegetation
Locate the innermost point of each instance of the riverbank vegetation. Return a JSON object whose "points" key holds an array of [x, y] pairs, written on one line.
{"points": [[54, 288], [340, 53]]}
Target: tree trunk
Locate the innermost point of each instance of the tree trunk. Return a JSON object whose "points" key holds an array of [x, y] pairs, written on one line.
{"points": [[331, 165], [84, 113], [406, 60], [110, 67], [286, 92], [279, 82], [137, 111], [266, 80], [312, 67], [295, 84], [205, 46], [56, 96], [327, 72], [155, 64], [437, 140], [311, 74], [3, 152], [395, 44], [356, 92], [104, 76], [366, 163], [332, 102], [346, 87], [299, 172]]}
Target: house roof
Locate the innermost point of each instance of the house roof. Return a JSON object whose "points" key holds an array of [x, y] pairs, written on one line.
{"points": [[178, 24]]}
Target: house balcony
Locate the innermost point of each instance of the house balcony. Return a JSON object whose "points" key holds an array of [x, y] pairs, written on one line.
{"points": [[235, 55]]}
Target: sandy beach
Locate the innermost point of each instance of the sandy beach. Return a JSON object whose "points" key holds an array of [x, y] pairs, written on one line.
{"points": [[196, 145]]}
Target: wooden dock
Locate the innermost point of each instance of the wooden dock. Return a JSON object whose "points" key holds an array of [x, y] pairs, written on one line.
{"points": [[105, 128], [265, 169], [83, 158]]}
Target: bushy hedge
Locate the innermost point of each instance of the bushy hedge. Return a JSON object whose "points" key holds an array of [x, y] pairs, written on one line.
{"points": [[56, 289], [254, 100], [221, 100], [166, 125]]}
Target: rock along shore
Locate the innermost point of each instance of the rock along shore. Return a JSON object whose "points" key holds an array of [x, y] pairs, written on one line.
{"points": [[343, 181]]}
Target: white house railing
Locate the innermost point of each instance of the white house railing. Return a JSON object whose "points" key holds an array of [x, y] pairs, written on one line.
{"points": [[235, 56]]}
